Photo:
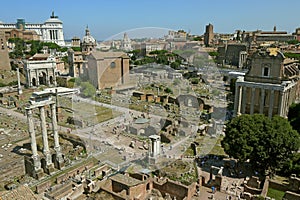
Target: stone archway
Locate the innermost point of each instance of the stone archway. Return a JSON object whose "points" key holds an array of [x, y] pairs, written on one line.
{"points": [[33, 82], [42, 78]]}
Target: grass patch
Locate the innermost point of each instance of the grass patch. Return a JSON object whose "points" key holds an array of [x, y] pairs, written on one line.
{"points": [[218, 149], [189, 152], [276, 194], [90, 114]]}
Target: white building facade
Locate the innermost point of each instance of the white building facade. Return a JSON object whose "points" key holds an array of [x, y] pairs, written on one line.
{"points": [[40, 69], [49, 31]]}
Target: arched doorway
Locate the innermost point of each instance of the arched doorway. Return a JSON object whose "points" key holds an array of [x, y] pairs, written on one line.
{"points": [[33, 82], [42, 78]]}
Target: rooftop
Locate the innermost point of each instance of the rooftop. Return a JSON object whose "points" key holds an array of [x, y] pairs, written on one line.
{"points": [[21, 193], [126, 180], [107, 55]]}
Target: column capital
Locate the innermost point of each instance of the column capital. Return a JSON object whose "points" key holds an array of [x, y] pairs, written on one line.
{"points": [[29, 111]]}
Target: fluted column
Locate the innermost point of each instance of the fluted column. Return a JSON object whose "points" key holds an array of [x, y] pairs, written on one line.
{"points": [[244, 100], [280, 102], [237, 100], [46, 150], [55, 132], [271, 104], [252, 103], [35, 156], [262, 101]]}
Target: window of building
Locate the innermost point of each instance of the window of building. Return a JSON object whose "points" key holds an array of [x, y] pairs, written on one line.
{"points": [[112, 65], [266, 70]]}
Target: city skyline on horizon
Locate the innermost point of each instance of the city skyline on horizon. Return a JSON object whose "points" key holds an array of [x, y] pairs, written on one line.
{"points": [[155, 16]]}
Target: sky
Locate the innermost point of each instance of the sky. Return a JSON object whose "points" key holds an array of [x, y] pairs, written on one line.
{"points": [[106, 18]]}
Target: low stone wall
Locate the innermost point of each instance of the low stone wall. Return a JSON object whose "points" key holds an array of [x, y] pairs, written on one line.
{"points": [[78, 170], [61, 192], [264, 191], [42, 187], [277, 186], [116, 196], [252, 190], [176, 189], [291, 196]]}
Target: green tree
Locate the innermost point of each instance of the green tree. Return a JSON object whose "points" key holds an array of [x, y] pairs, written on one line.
{"points": [[291, 166], [268, 143], [35, 47], [195, 81], [293, 42], [76, 48], [175, 65], [168, 90], [87, 89], [292, 55], [294, 116], [213, 53], [20, 47]]}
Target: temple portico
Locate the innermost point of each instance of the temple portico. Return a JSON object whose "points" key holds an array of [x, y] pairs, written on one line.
{"points": [[44, 163], [269, 87]]}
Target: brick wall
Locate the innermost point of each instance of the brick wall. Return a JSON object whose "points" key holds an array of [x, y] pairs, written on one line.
{"points": [[175, 189]]}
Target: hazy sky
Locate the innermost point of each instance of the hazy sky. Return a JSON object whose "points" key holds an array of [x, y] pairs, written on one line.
{"points": [[106, 18]]}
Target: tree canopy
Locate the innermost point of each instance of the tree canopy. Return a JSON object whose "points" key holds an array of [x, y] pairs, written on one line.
{"points": [[87, 89], [267, 143], [20, 48], [294, 116]]}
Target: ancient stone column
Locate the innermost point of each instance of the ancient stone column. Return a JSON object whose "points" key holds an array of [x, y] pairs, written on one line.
{"points": [[244, 99], [35, 156], [252, 103], [271, 104], [55, 133], [155, 145], [46, 150], [19, 82], [262, 101], [237, 101], [280, 103]]}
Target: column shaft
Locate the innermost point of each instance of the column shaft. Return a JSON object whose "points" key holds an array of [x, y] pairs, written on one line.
{"points": [[55, 132], [237, 100], [244, 100], [262, 101], [35, 156], [46, 150], [280, 101], [271, 104], [252, 103]]}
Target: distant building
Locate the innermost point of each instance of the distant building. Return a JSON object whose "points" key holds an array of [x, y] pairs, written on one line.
{"points": [[21, 33], [4, 58], [49, 31], [147, 47], [209, 35], [270, 86], [297, 34], [267, 36], [40, 69], [75, 42], [233, 54], [126, 43], [75, 61], [176, 36], [88, 43], [107, 69]]}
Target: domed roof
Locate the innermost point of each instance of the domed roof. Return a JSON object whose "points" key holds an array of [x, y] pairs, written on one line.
{"points": [[88, 38]]}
